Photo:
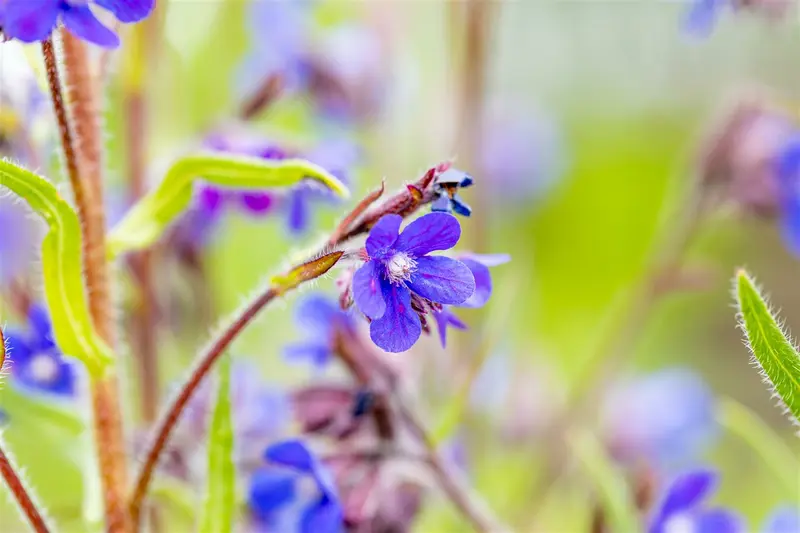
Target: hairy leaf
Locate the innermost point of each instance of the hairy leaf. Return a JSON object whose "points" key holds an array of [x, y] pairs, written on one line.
{"points": [[221, 490], [773, 352], [61, 260], [611, 486], [147, 220]]}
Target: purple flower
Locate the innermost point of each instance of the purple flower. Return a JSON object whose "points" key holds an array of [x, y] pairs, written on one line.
{"points": [[398, 266], [788, 174], [785, 519], [295, 476], [682, 507], [19, 234], [479, 266], [666, 417], [702, 16], [34, 20], [36, 362], [446, 187], [320, 318]]}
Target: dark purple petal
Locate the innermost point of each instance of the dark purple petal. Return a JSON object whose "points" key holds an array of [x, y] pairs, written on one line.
{"points": [[298, 215], [128, 10], [30, 20], [256, 203], [210, 199], [442, 280], [292, 453], [269, 491], [445, 319], [81, 21], [41, 328], [318, 353], [367, 290], [399, 327], [719, 521], [483, 284], [18, 349], [683, 494], [383, 236], [434, 231], [324, 516], [460, 207], [785, 519]]}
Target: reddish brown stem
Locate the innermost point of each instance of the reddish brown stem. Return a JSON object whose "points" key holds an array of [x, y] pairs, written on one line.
{"points": [[20, 493]]}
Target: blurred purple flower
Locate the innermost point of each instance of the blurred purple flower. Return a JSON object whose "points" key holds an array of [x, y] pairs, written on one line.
{"points": [[479, 266], [666, 417], [36, 362], [320, 318], [788, 172], [785, 519], [398, 265], [682, 507], [295, 475], [446, 187], [34, 20], [702, 16]]}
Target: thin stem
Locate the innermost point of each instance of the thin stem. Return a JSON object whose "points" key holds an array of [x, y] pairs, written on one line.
{"points": [[459, 493], [83, 154], [20, 493]]}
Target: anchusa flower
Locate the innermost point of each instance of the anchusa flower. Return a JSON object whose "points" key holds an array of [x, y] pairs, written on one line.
{"points": [[36, 363], [683, 507], [295, 491], [35, 20], [321, 319], [702, 15], [446, 187], [400, 282], [479, 265], [684, 425]]}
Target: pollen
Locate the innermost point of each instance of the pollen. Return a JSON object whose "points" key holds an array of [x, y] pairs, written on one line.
{"points": [[400, 267]]}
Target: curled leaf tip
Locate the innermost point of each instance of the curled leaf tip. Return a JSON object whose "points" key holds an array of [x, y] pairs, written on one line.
{"points": [[307, 271]]}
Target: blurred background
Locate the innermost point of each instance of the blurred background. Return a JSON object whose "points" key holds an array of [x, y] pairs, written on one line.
{"points": [[583, 124]]}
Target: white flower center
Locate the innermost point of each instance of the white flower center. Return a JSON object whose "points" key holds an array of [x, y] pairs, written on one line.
{"points": [[43, 368], [400, 267], [680, 523], [306, 488]]}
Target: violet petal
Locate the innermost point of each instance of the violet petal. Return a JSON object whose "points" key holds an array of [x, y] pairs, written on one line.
{"points": [[367, 290], [442, 280], [434, 231], [399, 327], [81, 21], [383, 235]]}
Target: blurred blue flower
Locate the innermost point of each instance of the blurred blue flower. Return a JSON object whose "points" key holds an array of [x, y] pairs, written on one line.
{"points": [[34, 20], [479, 265], [785, 519], [702, 16], [398, 266], [788, 173], [683, 508], [19, 236], [295, 483], [320, 318], [446, 187], [36, 362], [666, 417]]}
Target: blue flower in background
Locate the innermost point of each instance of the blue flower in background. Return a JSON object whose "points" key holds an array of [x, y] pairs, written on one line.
{"points": [[785, 519], [36, 362], [35, 20], [19, 236], [446, 187], [295, 492], [319, 317], [398, 266], [683, 508], [788, 179], [479, 266], [666, 417], [702, 16]]}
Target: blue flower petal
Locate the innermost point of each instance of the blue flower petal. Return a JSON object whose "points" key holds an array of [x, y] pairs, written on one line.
{"points": [[324, 516], [128, 10], [317, 314], [442, 204], [460, 207], [292, 453], [785, 519], [718, 521], [399, 327], [298, 215], [269, 491], [434, 231], [80, 21], [702, 16], [685, 492], [483, 284], [383, 236], [314, 352], [30, 20], [18, 348], [788, 172], [442, 280], [41, 327], [367, 290], [444, 319]]}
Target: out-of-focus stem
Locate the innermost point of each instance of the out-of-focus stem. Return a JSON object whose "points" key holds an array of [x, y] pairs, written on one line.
{"points": [[85, 150]]}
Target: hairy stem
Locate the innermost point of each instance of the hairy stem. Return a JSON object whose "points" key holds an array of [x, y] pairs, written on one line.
{"points": [[83, 153]]}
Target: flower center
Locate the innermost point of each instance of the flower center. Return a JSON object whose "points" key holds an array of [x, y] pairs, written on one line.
{"points": [[680, 523], [400, 267], [306, 487], [43, 368]]}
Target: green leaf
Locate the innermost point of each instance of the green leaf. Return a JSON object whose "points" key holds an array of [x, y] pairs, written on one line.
{"points": [[611, 485], [147, 220], [772, 351], [61, 260], [221, 491], [741, 421]]}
